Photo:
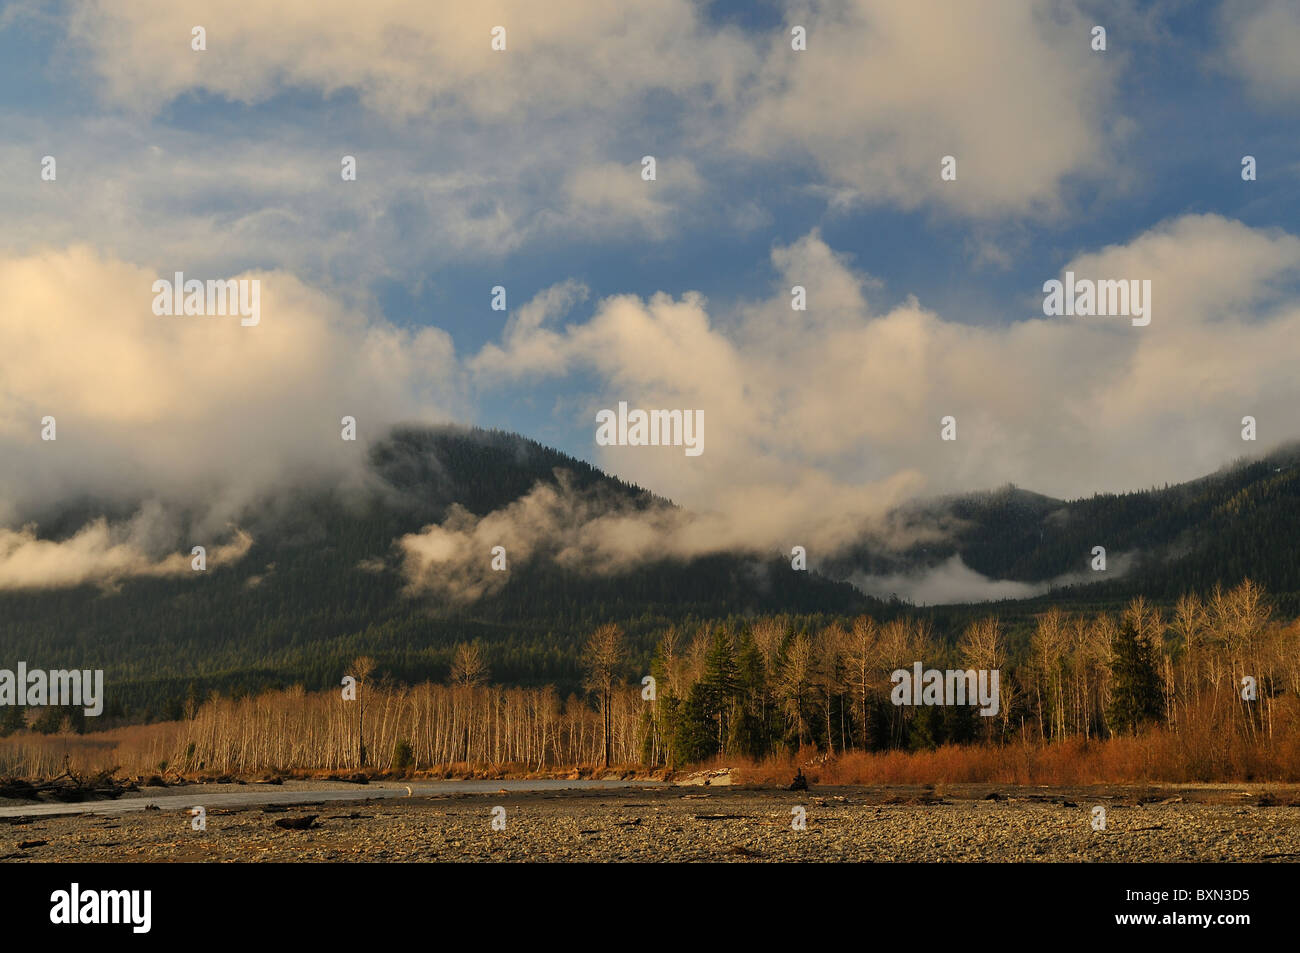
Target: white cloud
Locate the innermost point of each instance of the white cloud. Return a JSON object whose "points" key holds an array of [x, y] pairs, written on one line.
{"points": [[98, 553], [405, 59], [953, 582], [193, 411], [1260, 42], [818, 421], [880, 95], [885, 90], [612, 194]]}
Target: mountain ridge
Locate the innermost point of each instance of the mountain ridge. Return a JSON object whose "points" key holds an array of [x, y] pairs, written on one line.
{"points": [[320, 584]]}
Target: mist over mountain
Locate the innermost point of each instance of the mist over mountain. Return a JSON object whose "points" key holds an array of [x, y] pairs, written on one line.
{"points": [[324, 580], [1011, 543], [399, 565]]}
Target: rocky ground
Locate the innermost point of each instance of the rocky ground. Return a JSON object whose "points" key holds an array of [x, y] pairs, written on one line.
{"points": [[950, 823]]}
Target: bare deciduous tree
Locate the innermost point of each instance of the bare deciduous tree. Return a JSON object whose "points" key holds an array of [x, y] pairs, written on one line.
{"points": [[468, 670], [362, 669], [796, 680], [603, 655]]}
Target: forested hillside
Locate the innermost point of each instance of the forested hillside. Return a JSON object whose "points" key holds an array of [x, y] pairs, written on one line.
{"points": [[321, 584], [299, 606], [1243, 521]]}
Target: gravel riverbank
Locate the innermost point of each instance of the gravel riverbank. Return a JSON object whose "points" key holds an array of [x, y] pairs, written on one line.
{"points": [[663, 823]]}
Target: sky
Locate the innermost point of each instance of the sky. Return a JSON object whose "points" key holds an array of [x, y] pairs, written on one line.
{"points": [[522, 168]]}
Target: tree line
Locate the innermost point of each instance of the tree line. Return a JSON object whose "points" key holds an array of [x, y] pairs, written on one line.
{"points": [[1214, 664], [1209, 666], [1206, 668]]}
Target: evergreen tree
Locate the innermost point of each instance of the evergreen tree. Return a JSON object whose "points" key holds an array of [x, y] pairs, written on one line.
{"points": [[924, 729], [15, 719], [720, 688], [752, 723], [1135, 696], [692, 735], [50, 720]]}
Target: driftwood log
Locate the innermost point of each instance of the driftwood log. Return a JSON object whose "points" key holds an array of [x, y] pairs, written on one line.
{"points": [[68, 786]]}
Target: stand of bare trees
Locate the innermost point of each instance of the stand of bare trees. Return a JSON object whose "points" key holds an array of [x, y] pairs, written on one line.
{"points": [[1216, 671], [1203, 653], [829, 688], [443, 725], [1218, 666]]}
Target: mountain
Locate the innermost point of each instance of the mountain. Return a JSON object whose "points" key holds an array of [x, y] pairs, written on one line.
{"points": [[321, 585], [322, 582], [1241, 521]]}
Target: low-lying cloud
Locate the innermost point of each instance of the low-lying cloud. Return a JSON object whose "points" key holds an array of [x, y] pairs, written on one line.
{"points": [[99, 553], [819, 423], [187, 413], [953, 581]]}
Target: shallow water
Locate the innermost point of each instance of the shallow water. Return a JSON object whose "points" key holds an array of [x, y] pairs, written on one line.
{"points": [[213, 796]]}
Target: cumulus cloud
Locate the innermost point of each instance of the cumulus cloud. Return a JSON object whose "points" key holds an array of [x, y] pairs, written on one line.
{"points": [[462, 154], [199, 412], [819, 422], [465, 155], [884, 90]]}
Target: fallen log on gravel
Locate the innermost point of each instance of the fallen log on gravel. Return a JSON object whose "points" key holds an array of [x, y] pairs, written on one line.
{"points": [[68, 787]]}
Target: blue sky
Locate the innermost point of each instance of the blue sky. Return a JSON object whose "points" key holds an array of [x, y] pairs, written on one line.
{"points": [[1194, 121]]}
